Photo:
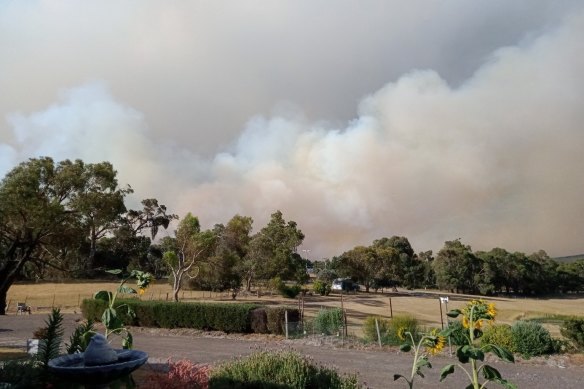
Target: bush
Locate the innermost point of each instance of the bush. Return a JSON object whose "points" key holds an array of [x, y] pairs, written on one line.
{"points": [[277, 318], [259, 321], [370, 329], [573, 329], [166, 314], [396, 329], [499, 335], [280, 369], [531, 339], [321, 287], [329, 321]]}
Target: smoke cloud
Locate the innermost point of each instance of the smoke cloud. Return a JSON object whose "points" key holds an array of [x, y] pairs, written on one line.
{"points": [[493, 157]]}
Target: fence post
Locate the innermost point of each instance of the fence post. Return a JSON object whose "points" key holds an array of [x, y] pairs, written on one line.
{"points": [[378, 333], [286, 322], [53, 303], [390, 309]]}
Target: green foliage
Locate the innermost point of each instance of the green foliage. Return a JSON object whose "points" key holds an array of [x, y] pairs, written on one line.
{"points": [[458, 334], [277, 318], [329, 321], [51, 346], [499, 335], [531, 339], [21, 374], [322, 287], [259, 321], [475, 315], [370, 329], [80, 338], [280, 369], [573, 329], [111, 317], [166, 314]]}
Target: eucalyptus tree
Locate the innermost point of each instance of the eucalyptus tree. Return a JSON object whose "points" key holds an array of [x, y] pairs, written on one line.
{"points": [[273, 252], [193, 248]]}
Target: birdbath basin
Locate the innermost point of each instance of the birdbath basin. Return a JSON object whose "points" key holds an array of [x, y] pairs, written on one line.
{"points": [[93, 371]]}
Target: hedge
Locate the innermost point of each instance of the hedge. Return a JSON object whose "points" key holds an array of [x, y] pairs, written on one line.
{"points": [[227, 317]]}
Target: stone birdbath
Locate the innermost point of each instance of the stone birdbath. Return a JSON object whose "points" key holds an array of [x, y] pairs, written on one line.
{"points": [[99, 365]]}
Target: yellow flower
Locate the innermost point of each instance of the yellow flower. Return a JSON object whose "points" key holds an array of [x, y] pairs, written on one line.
{"points": [[401, 333], [491, 311], [437, 344], [465, 323], [141, 291]]}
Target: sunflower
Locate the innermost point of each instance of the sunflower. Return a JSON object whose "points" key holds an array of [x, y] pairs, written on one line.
{"points": [[436, 344], [465, 322], [401, 333], [491, 311]]}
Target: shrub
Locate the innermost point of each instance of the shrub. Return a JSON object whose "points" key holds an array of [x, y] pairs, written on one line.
{"points": [[397, 327], [531, 339], [283, 289], [280, 369], [167, 314], [321, 287], [277, 318], [329, 321], [370, 329], [259, 321], [499, 335], [573, 329]]}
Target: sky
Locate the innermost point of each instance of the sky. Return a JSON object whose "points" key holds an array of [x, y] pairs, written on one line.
{"points": [[431, 119]]}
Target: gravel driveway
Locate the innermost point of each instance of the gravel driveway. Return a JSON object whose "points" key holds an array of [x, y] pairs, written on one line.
{"points": [[375, 367]]}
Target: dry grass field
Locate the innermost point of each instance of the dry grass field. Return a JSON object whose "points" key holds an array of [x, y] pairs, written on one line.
{"points": [[424, 305]]}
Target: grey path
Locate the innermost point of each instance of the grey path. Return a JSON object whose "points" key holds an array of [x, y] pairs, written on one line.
{"points": [[376, 368]]}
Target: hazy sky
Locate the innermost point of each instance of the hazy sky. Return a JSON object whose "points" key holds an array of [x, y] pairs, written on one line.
{"points": [[434, 119]]}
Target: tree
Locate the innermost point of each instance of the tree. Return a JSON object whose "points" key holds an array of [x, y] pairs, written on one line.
{"points": [[457, 268], [366, 265], [35, 213], [273, 252], [223, 269], [193, 247], [408, 270]]}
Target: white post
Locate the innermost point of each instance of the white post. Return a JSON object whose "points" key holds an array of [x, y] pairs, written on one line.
{"points": [[286, 322], [378, 333]]}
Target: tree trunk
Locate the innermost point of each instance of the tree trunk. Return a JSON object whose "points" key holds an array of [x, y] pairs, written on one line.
{"points": [[176, 286], [3, 306]]}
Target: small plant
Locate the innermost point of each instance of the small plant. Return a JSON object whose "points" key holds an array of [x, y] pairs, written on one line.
{"points": [[474, 317], [432, 343], [370, 329], [322, 287], [573, 329], [110, 319], [329, 321], [278, 369], [51, 346], [531, 339], [80, 338], [182, 374]]}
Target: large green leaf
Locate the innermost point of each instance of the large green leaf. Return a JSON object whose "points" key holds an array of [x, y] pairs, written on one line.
{"points": [[446, 371], [114, 271], [490, 373], [398, 376], [502, 353], [128, 341], [405, 347], [463, 354], [110, 319], [454, 313], [126, 289], [103, 295]]}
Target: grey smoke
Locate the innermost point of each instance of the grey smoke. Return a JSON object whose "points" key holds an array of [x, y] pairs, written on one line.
{"points": [[486, 148]]}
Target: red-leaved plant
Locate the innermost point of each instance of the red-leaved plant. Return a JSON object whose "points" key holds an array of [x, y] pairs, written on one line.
{"points": [[182, 374]]}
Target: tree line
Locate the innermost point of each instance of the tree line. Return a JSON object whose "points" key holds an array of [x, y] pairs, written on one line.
{"points": [[70, 219]]}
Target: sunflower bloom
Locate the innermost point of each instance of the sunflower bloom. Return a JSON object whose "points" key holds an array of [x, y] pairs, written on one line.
{"points": [[401, 333], [465, 323], [141, 291], [437, 344], [491, 311]]}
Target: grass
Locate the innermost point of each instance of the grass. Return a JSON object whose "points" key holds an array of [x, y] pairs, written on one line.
{"points": [[424, 305], [11, 353]]}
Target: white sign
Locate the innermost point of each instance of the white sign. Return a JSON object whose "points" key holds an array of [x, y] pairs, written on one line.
{"points": [[444, 300]]}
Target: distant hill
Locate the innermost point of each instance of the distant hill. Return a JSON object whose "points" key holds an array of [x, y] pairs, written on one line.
{"points": [[569, 258]]}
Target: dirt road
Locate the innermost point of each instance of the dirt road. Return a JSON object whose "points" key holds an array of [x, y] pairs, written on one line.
{"points": [[375, 368]]}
